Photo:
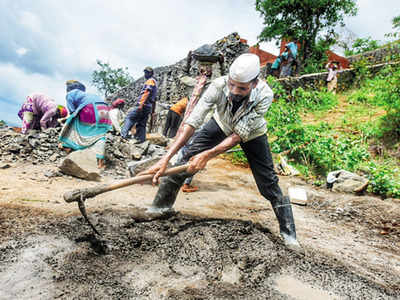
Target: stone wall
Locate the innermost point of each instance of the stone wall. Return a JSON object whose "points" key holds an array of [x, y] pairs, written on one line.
{"points": [[346, 79], [170, 88], [378, 56]]}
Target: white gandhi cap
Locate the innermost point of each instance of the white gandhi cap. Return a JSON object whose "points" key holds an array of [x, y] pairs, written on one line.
{"points": [[245, 68]]}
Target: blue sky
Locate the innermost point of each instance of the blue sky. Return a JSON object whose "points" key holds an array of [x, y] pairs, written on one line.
{"points": [[43, 43]]}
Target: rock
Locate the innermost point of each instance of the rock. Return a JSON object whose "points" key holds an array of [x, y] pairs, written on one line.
{"points": [[136, 167], [157, 139], [5, 166], [52, 173], [347, 182], [297, 195], [138, 150], [33, 142], [14, 148], [81, 164], [53, 157], [156, 151]]}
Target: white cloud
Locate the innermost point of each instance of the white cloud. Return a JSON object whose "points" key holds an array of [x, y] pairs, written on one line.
{"points": [[21, 51], [30, 21]]}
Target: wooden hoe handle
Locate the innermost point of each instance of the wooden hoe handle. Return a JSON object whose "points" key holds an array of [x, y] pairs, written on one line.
{"points": [[82, 194]]}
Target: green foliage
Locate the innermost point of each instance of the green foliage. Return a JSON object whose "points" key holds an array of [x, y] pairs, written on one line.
{"points": [[318, 149], [389, 94], [396, 26], [239, 158], [384, 180], [302, 19], [396, 22], [310, 101], [108, 80], [359, 96], [362, 45], [315, 62], [361, 70], [2, 123]]}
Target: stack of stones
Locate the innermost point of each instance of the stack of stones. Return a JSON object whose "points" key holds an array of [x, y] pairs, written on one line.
{"points": [[123, 158], [35, 147]]}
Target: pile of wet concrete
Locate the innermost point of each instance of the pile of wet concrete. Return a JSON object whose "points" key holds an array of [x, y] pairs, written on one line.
{"points": [[123, 157], [175, 257]]}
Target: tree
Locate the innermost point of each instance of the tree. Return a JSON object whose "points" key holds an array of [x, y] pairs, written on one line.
{"points": [[108, 80], [303, 20], [396, 22], [362, 45]]}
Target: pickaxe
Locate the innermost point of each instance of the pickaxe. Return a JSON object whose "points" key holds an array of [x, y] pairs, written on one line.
{"points": [[80, 195]]}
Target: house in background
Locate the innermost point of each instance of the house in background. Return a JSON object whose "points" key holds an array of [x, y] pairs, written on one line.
{"points": [[268, 58]]}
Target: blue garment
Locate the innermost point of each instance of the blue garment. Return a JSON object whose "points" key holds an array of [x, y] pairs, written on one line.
{"points": [[87, 124], [276, 64], [293, 48], [76, 100], [139, 117], [149, 88]]}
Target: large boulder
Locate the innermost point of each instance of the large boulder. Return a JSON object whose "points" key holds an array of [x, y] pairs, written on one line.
{"points": [[81, 164]]}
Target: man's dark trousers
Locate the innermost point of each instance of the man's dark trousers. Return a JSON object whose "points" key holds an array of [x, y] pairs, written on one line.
{"points": [[139, 117], [260, 160], [172, 124]]}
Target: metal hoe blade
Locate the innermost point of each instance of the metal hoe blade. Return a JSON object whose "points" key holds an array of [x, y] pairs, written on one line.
{"points": [[82, 209]]}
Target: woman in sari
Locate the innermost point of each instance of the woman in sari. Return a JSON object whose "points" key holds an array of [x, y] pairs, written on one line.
{"points": [[40, 112], [88, 123]]}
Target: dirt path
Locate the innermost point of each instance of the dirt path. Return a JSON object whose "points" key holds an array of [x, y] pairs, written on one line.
{"points": [[223, 244]]}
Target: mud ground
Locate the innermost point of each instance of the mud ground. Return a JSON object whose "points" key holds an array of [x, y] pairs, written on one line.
{"points": [[222, 244]]}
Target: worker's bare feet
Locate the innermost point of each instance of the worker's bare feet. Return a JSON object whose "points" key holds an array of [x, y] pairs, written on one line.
{"points": [[101, 164], [61, 147], [187, 188]]}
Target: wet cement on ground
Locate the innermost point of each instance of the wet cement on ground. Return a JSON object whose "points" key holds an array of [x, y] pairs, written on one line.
{"points": [[44, 256]]}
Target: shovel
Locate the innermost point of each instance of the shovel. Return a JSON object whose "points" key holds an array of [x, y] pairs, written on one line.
{"points": [[80, 195]]}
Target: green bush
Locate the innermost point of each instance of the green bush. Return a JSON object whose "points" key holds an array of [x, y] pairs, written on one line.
{"points": [[239, 158], [310, 101], [362, 45], [389, 95], [316, 150], [359, 96], [384, 180]]}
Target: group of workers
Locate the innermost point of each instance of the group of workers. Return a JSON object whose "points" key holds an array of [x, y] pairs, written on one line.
{"points": [[220, 114], [87, 117]]}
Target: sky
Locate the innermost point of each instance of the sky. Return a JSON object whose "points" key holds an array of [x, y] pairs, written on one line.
{"points": [[44, 43]]}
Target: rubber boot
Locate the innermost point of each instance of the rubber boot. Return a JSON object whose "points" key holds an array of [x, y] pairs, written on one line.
{"points": [[167, 193], [284, 214]]}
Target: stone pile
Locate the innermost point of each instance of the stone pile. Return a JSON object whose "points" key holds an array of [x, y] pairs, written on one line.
{"points": [[123, 158], [35, 147]]}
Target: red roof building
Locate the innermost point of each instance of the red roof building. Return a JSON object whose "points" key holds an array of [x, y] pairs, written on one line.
{"points": [[265, 57]]}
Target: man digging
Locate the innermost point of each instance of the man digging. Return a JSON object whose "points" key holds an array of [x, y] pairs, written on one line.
{"points": [[240, 101]]}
